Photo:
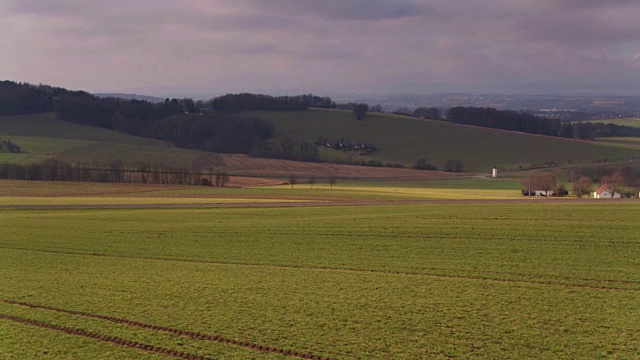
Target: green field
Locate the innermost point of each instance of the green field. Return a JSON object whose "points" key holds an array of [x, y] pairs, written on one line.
{"points": [[399, 140], [623, 142], [404, 140], [634, 122], [509, 281], [43, 137]]}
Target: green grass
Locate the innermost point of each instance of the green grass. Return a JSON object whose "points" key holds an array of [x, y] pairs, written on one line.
{"points": [[405, 140], [44, 137], [623, 142], [507, 281], [633, 122]]}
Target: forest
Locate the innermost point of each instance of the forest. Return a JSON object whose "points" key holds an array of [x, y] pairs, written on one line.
{"points": [[531, 124]]}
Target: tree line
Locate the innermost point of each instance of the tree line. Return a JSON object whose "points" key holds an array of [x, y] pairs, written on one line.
{"points": [[7, 146], [253, 102], [55, 170], [531, 124], [624, 182]]}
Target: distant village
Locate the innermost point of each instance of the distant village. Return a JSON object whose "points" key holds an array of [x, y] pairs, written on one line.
{"points": [[362, 148]]}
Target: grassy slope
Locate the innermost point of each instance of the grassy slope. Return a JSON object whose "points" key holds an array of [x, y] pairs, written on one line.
{"points": [[634, 122], [45, 137], [385, 282], [404, 140]]}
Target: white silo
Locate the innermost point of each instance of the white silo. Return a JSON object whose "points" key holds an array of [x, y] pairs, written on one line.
{"points": [[494, 173]]}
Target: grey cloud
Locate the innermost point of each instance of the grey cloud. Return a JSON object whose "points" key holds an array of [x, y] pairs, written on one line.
{"points": [[582, 4], [571, 28], [346, 9]]}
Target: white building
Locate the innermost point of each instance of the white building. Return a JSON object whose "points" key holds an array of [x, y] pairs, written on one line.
{"points": [[603, 193]]}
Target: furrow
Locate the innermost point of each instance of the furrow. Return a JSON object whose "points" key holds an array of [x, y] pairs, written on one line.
{"points": [[177, 332]]}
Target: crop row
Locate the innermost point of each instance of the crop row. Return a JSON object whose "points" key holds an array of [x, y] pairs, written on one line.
{"points": [[387, 272], [177, 332]]}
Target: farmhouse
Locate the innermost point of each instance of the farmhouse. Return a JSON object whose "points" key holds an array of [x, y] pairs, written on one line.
{"points": [[603, 193], [538, 193]]}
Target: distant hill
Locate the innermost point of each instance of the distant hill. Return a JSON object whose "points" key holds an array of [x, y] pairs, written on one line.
{"points": [[634, 122], [401, 139], [151, 99], [44, 137]]}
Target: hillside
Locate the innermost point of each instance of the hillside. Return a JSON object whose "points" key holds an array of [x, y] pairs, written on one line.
{"points": [[401, 139], [633, 122], [44, 137]]}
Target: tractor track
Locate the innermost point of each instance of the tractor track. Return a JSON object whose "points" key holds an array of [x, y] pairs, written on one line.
{"points": [[177, 332], [366, 271], [110, 339]]}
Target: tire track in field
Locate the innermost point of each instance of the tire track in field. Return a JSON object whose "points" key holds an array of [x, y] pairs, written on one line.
{"points": [[359, 271], [104, 338], [177, 332]]}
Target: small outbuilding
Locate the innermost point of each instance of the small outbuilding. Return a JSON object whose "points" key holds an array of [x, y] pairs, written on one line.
{"points": [[603, 193]]}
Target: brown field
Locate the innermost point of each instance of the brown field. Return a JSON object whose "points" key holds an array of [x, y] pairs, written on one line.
{"points": [[244, 165]]}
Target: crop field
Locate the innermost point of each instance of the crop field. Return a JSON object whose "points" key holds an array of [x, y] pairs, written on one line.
{"points": [[623, 142], [474, 280], [16, 192], [404, 140], [634, 122]]}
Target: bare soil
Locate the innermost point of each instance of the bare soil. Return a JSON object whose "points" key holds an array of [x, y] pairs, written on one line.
{"points": [[243, 165]]}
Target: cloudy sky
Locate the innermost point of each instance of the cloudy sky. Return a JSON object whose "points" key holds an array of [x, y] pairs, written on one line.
{"points": [[275, 46]]}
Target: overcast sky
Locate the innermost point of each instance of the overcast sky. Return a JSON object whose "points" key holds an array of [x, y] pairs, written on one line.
{"points": [[274, 46]]}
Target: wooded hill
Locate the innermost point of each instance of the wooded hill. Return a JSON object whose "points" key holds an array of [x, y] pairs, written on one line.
{"points": [[291, 127]]}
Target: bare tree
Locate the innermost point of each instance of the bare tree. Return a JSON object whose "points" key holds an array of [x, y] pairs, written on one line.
{"points": [[222, 179], [312, 181], [332, 181], [546, 183], [527, 185], [292, 180], [581, 187], [614, 183]]}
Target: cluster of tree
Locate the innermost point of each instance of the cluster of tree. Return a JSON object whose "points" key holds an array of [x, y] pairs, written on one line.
{"points": [[427, 113], [287, 149], [55, 170], [129, 116], [422, 164], [363, 148], [543, 182], [509, 120], [24, 98], [624, 182], [529, 123], [6, 146], [215, 132], [453, 166], [252, 102], [312, 180], [359, 110], [590, 131]]}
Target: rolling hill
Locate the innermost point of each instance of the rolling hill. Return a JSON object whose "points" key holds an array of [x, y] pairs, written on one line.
{"points": [[633, 122], [404, 140], [399, 139], [44, 137]]}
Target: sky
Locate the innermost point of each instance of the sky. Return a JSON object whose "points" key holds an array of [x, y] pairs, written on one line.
{"points": [[210, 47]]}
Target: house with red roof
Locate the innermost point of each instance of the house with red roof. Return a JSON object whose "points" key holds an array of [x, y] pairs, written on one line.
{"points": [[603, 192]]}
